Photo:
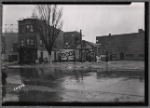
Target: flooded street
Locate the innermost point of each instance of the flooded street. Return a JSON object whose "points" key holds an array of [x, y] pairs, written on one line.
{"points": [[72, 85]]}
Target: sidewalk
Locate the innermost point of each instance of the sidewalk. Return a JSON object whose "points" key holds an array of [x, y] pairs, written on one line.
{"points": [[121, 65], [6, 63]]}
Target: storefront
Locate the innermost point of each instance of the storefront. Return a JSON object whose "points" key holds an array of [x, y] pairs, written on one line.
{"points": [[13, 57], [27, 55]]}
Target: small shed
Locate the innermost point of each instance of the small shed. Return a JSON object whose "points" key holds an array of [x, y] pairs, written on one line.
{"points": [[88, 51]]}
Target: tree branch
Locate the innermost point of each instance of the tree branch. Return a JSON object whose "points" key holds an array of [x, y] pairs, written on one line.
{"points": [[50, 22]]}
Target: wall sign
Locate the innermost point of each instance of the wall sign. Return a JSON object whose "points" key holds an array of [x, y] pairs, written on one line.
{"points": [[67, 54]]}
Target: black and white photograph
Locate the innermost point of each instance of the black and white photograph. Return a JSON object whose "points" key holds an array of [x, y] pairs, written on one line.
{"points": [[73, 54]]}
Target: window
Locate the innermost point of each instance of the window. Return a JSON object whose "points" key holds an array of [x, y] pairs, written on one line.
{"points": [[23, 29], [41, 42], [22, 43], [32, 42], [29, 28], [28, 41], [129, 55], [15, 47]]}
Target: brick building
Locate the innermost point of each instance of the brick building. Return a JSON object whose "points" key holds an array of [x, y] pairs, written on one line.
{"points": [[2, 47], [31, 46], [122, 46], [71, 39], [10, 46], [74, 54], [72, 48]]}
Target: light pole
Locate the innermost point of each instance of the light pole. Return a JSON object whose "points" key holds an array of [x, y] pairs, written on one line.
{"points": [[110, 47]]}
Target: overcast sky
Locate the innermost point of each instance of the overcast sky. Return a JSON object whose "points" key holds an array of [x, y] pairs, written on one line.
{"points": [[94, 20]]}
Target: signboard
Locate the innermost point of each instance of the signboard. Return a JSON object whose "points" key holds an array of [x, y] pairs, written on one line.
{"points": [[67, 54]]}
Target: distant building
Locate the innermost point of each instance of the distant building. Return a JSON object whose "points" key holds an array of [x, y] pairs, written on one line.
{"points": [[74, 54], [71, 39], [122, 46], [31, 46], [2, 47], [10, 46], [88, 51], [72, 48]]}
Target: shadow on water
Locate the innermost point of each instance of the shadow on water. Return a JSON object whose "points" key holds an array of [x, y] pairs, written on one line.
{"points": [[46, 77], [41, 84], [50, 77], [118, 74], [39, 96]]}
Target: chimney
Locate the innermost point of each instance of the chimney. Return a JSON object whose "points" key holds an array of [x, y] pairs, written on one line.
{"points": [[141, 30]]}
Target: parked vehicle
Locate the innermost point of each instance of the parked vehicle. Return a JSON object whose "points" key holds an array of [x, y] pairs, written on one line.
{"points": [[103, 57]]}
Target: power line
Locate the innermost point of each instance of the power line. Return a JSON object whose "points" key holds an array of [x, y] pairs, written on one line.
{"points": [[10, 28]]}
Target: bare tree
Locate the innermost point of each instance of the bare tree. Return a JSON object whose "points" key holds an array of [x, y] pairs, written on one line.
{"points": [[49, 25]]}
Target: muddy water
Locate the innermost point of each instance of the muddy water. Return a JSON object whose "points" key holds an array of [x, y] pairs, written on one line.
{"points": [[70, 85]]}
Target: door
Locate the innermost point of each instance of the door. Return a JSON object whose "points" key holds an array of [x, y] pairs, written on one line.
{"points": [[121, 55], [41, 60]]}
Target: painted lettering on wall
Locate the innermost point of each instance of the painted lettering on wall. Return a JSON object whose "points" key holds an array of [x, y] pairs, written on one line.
{"points": [[67, 55]]}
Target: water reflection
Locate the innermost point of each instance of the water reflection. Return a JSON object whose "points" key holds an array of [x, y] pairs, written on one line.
{"points": [[38, 96], [52, 78], [51, 84], [4, 76], [118, 74]]}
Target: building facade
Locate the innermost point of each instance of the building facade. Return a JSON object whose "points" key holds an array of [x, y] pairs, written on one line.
{"points": [[10, 47], [71, 39], [74, 54], [31, 46], [2, 47], [88, 51], [122, 46]]}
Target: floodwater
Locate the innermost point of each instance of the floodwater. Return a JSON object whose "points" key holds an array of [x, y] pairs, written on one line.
{"points": [[72, 85]]}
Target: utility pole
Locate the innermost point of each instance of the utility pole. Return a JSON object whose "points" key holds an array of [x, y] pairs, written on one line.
{"points": [[81, 43], [110, 45]]}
